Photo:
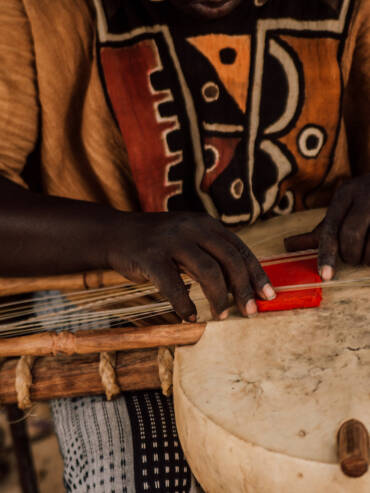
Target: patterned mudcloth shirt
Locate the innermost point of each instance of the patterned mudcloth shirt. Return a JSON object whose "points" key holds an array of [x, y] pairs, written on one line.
{"points": [[239, 116]]}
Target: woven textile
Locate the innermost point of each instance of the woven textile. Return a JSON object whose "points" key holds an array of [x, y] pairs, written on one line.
{"points": [[128, 445]]}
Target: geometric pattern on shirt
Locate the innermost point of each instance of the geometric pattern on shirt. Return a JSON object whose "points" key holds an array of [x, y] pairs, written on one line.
{"points": [[171, 91]]}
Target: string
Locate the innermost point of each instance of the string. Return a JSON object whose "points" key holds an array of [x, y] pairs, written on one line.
{"points": [[364, 281], [148, 310], [25, 416], [91, 302], [78, 296], [76, 312]]}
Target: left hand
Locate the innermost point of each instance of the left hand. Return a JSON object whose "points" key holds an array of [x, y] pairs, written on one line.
{"points": [[344, 231]]}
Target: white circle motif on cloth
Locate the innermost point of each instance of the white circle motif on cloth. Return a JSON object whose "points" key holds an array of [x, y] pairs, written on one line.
{"points": [[237, 188], [215, 155], [286, 204], [210, 92], [311, 140]]}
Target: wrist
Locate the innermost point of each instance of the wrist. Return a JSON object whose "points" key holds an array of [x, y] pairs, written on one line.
{"points": [[100, 236], [115, 233]]}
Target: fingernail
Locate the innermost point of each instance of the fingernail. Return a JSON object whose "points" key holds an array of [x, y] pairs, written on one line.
{"points": [[268, 292], [224, 315], [192, 318], [251, 308], [326, 273]]}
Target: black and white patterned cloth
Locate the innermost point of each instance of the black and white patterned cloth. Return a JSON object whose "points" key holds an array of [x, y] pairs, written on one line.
{"points": [[128, 445]]}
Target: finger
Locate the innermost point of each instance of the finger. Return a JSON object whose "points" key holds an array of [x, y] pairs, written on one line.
{"points": [[166, 277], [206, 270], [235, 270], [329, 241], [353, 236], [257, 276]]}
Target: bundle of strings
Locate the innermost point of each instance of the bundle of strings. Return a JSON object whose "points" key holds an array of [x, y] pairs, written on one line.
{"points": [[294, 276]]}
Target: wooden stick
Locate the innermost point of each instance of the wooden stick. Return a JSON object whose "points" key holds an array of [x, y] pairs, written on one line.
{"points": [[353, 448], [71, 282], [76, 376], [96, 341]]}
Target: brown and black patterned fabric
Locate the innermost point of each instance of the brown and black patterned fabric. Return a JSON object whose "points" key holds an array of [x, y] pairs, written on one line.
{"points": [[239, 116]]}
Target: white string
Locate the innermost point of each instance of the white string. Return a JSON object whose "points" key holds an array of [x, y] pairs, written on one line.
{"points": [[122, 289], [326, 284], [147, 310], [90, 302], [82, 301], [72, 293]]}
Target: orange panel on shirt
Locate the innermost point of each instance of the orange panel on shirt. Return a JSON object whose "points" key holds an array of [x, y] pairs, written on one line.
{"points": [[234, 76], [320, 113]]}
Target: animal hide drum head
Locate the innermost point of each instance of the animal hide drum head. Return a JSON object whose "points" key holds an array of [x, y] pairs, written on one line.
{"points": [[259, 401]]}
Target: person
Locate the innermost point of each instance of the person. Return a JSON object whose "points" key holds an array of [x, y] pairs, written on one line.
{"points": [[134, 134]]}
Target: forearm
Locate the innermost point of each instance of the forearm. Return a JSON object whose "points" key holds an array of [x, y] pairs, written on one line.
{"points": [[51, 235], [42, 235]]}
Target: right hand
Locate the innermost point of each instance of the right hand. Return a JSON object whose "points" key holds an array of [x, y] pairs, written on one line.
{"points": [[157, 246]]}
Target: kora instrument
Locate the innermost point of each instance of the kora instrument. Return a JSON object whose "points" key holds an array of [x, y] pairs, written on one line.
{"points": [[259, 402], [262, 405]]}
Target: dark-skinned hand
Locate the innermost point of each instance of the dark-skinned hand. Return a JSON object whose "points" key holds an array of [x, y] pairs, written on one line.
{"points": [[344, 231], [156, 246], [45, 235]]}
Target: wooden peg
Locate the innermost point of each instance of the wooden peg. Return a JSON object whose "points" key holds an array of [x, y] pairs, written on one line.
{"points": [[353, 448]]}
